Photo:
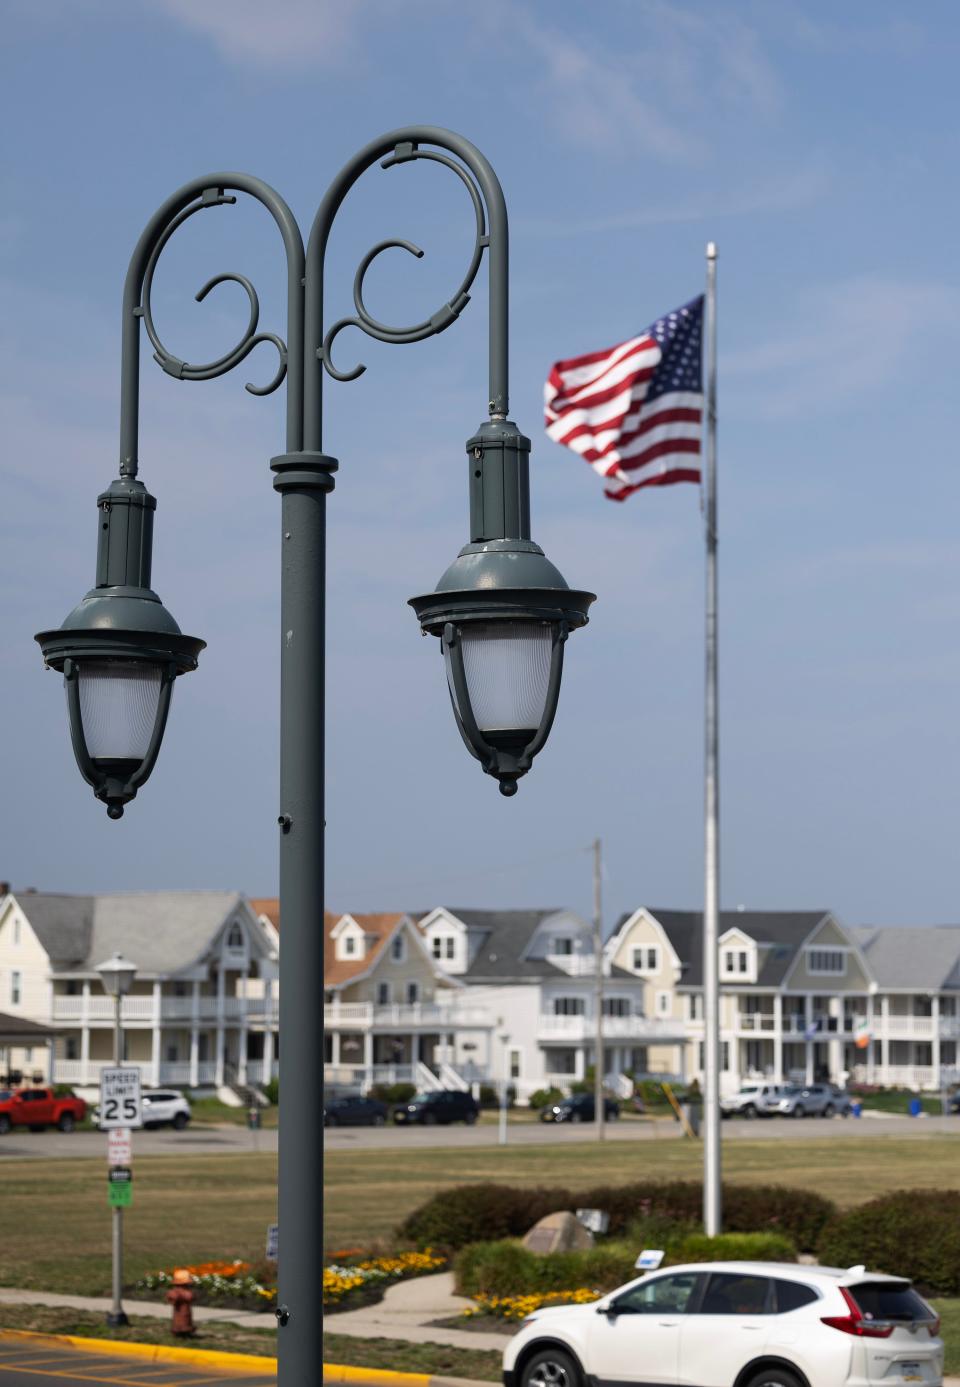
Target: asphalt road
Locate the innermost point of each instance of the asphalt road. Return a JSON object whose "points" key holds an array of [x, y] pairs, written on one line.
{"points": [[228, 1140], [24, 1364]]}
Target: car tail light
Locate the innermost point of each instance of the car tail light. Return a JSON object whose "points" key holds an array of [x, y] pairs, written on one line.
{"points": [[933, 1326], [854, 1323]]}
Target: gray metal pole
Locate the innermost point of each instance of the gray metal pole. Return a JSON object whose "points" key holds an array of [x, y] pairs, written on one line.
{"points": [[117, 1316], [598, 992], [712, 1209]]}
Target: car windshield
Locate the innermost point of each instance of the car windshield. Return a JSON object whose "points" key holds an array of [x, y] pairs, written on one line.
{"points": [[890, 1300], [419, 1098], [5, 1094], [749, 1088], [792, 1090]]}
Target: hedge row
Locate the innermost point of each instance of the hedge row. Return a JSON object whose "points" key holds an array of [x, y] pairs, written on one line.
{"points": [[506, 1268], [479, 1213], [913, 1233]]}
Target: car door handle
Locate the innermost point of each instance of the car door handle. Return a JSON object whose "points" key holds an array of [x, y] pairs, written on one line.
{"points": [[667, 1324], [753, 1328]]}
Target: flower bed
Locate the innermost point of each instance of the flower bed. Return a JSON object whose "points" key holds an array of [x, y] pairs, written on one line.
{"points": [[517, 1307], [213, 1283], [348, 1284]]}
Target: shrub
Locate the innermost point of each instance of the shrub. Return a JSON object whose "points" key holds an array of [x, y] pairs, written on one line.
{"points": [[734, 1247], [506, 1268], [543, 1097], [913, 1233], [392, 1093], [490, 1096], [472, 1213], [271, 1091]]}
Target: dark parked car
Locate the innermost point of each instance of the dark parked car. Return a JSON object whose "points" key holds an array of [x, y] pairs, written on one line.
{"points": [[355, 1111], [448, 1105], [580, 1108]]}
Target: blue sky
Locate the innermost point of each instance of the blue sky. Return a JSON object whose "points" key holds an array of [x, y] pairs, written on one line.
{"points": [[814, 142]]}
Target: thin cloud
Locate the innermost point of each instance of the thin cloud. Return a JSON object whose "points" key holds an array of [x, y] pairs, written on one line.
{"points": [[281, 35]]}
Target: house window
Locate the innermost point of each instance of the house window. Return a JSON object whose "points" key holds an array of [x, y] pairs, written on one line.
{"points": [[173, 1052], [349, 944], [562, 1061], [616, 1006], [724, 1056], [664, 1004], [516, 1063], [72, 988], [179, 989], [695, 1006], [16, 929], [826, 961], [383, 994], [235, 937], [646, 959], [568, 1006], [72, 1048], [413, 993], [398, 949], [15, 988], [736, 963], [562, 945]]}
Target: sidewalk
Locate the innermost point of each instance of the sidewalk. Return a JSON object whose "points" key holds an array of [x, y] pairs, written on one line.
{"points": [[406, 1312], [151, 1309]]}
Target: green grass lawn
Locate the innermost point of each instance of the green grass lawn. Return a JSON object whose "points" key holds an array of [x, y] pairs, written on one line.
{"points": [[192, 1208]]}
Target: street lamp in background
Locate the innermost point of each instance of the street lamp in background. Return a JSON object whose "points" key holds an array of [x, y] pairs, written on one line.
{"points": [[504, 1038], [502, 613], [117, 974]]}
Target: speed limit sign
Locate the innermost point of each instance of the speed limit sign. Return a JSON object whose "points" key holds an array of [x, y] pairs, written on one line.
{"points": [[120, 1098]]}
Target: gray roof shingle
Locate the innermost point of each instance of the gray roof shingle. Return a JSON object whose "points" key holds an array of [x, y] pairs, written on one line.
{"points": [[160, 931], [925, 957], [783, 930]]}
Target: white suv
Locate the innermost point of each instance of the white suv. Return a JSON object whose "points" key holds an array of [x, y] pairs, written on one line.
{"points": [[753, 1100], [160, 1106], [736, 1324]]}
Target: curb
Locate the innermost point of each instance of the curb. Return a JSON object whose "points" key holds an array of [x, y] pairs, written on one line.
{"points": [[157, 1353], [386, 1377]]}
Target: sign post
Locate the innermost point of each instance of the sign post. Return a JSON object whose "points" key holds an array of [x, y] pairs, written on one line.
{"points": [[120, 1110]]}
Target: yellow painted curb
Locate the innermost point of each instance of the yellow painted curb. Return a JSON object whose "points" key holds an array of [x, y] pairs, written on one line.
{"points": [[338, 1372], [158, 1353]]}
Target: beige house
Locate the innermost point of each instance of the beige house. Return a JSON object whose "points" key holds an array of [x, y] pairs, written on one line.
{"points": [[801, 996]]}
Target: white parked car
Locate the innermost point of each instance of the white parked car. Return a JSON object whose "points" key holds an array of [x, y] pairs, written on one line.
{"points": [[736, 1324], [753, 1100], [161, 1106]]}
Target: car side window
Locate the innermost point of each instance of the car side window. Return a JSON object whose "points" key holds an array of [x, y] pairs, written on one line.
{"points": [[729, 1293], [791, 1295], [668, 1295]]}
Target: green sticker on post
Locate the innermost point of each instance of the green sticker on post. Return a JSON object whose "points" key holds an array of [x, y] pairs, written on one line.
{"points": [[120, 1187]]}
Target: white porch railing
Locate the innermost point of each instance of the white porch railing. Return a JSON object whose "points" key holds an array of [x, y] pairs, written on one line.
{"points": [[757, 1021], [409, 1016], [574, 1029], [134, 1009]]}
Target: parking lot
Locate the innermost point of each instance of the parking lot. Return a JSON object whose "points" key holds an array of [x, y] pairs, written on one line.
{"points": [[24, 1362]]}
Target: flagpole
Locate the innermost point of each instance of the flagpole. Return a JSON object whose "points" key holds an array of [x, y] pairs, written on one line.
{"points": [[712, 1208], [598, 1066]]}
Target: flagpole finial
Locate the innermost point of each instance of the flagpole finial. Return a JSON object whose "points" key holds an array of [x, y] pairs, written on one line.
{"points": [[711, 250]]}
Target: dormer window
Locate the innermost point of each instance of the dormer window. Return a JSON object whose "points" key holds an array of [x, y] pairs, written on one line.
{"points": [[349, 945], [831, 961], [735, 963], [235, 937], [398, 948], [443, 946], [646, 959], [562, 946]]}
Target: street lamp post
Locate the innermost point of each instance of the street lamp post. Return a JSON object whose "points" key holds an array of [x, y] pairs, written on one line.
{"points": [[117, 974], [501, 612], [504, 1082]]}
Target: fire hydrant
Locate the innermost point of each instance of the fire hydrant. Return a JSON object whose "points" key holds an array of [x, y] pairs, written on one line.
{"points": [[180, 1296]]}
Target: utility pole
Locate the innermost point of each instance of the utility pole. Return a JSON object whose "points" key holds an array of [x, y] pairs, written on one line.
{"points": [[598, 993]]}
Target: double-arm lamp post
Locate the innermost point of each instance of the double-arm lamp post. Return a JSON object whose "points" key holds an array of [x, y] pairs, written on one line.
{"points": [[501, 611]]}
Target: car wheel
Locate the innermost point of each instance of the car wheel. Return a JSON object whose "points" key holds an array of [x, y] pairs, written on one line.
{"points": [[575, 1117], [829, 1110], [551, 1367], [66, 1122], [799, 1111], [749, 1112], [774, 1376], [379, 1120], [613, 1115], [5, 1124], [470, 1118], [180, 1121]]}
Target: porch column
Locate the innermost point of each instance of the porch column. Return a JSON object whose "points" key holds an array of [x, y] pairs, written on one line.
{"points": [[51, 1061], [367, 1059], [195, 1036], [870, 1052], [835, 1044], [85, 1076], [155, 1035], [935, 1039], [334, 1047], [777, 1039], [268, 1052], [579, 1062], [242, 1057], [885, 1039], [808, 1047], [415, 1048], [218, 1072]]}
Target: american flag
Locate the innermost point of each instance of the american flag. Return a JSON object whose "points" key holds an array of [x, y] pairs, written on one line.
{"points": [[634, 411]]}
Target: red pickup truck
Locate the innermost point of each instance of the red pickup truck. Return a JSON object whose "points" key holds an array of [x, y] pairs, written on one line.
{"points": [[38, 1108]]}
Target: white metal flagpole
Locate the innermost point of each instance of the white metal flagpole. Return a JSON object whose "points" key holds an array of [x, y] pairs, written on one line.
{"points": [[712, 1208], [598, 1063]]}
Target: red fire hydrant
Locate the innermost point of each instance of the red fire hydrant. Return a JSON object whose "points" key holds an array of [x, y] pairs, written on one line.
{"points": [[180, 1296]]}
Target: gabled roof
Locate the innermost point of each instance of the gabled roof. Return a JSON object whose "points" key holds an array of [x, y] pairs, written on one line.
{"points": [[499, 955], [784, 931], [921, 957], [268, 906], [377, 928], [161, 932]]}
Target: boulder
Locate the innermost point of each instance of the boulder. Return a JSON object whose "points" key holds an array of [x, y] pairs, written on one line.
{"points": [[560, 1232]]}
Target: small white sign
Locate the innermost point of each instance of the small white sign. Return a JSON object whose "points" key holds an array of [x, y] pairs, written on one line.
{"points": [[120, 1098], [119, 1146], [649, 1259]]}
